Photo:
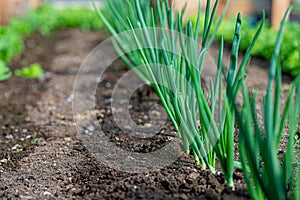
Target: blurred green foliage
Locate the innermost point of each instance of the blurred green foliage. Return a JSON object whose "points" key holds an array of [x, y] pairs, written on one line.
{"points": [[32, 71], [290, 49], [296, 6], [45, 20], [5, 72]]}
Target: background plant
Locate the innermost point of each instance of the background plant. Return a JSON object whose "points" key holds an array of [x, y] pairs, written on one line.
{"points": [[32, 71], [5, 72], [267, 175], [289, 51], [296, 6], [44, 20]]}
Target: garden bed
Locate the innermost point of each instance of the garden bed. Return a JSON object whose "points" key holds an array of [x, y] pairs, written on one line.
{"points": [[51, 162]]}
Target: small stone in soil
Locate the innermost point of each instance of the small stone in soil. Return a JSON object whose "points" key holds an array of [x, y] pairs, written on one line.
{"points": [[108, 85], [9, 136], [68, 139], [69, 99], [16, 147], [28, 137], [91, 128]]}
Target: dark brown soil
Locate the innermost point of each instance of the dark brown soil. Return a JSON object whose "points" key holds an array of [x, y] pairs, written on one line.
{"points": [[41, 156]]}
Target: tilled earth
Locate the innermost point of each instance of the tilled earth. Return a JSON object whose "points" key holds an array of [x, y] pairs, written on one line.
{"points": [[42, 156]]}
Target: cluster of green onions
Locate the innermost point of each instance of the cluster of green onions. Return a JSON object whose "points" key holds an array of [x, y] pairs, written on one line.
{"points": [[268, 176], [178, 85]]}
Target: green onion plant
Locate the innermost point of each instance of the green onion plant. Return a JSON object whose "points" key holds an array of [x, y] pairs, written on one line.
{"points": [[267, 175], [190, 106]]}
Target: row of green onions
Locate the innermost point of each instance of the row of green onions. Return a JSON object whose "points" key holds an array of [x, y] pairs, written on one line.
{"points": [[178, 85]]}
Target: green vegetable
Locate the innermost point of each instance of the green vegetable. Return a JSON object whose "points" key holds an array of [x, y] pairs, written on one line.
{"points": [[45, 20], [268, 176], [178, 85], [5, 72], [290, 48], [33, 71], [296, 6], [184, 60]]}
